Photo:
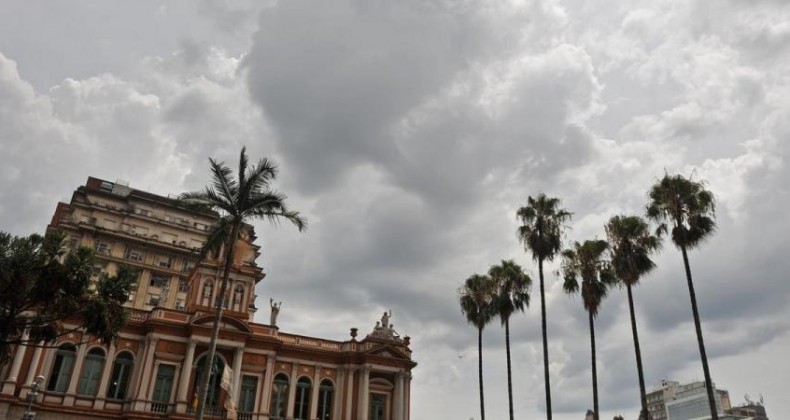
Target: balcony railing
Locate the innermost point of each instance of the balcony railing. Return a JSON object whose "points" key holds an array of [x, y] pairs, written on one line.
{"points": [[161, 408], [211, 412]]}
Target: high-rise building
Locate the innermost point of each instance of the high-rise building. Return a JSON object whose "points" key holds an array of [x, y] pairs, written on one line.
{"points": [[153, 370], [675, 401]]}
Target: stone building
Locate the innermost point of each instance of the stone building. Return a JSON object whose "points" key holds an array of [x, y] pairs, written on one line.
{"points": [[152, 371]]}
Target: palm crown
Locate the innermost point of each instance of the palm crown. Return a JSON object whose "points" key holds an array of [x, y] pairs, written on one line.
{"points": [[511, 288], [542, 222], [476, 295], [687, 205], [631, 245], [585, 260]]}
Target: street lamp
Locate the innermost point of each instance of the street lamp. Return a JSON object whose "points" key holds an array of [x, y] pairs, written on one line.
{"points": [[31, 396]]}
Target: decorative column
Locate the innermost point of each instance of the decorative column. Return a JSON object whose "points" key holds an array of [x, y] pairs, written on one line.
{"points": [[183, 382], [145, 377], [105, 377], [267, 384], [337, 398], [316, 388], [10, 383], [33, 369], [234, 383], [292, 391], [364, 392], [350, 391], [399, 396], [68, 400], [407, 401]]}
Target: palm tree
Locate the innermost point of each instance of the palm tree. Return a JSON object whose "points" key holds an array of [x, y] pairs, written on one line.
{"points": [[689, 209], [247, 198], [541, 233], [631, 245], [476, 296], [511, 294], [586, 261]]}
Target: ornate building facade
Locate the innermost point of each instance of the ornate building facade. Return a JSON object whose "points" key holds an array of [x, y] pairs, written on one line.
{"points": [[153, 370]]}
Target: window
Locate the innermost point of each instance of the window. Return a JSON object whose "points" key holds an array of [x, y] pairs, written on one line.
{"points": [[152, 300], [144, 212], [133, 254], [180, 305], [121, 372], [164, 261], [183, 285], [159, 280], [325, 394], [132, 295], [238, 296], [163, 384], [208, 291], [302, 408], [249, 386], [201, 226], [61, 369], [378, 405], [187, 266], [212, 397], [279, 397], [103, 248], [91, 373]]}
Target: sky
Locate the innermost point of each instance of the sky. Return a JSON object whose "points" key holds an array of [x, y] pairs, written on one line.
{"points": [[408, 133]]}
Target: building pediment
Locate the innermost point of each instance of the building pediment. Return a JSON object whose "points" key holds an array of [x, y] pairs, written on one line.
{"points": [[227, 323]]}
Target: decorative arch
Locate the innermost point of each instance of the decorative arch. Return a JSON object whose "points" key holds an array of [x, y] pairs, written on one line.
{"points": [[228, 320], [302, 403], [326, 395]]}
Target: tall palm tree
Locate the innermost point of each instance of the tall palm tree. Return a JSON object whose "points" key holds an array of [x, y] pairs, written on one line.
{"points": [[688, 209], [586, 260], [476, 295], [541, 233], [246, 198], [631, 245], [511, 294]]}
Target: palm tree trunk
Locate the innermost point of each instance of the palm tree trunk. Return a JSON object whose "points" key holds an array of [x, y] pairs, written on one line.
{"points": [[220, 302], [594, 369], [509, 380], [714, 414], [480, 370], [638, 351], [545, 341]]}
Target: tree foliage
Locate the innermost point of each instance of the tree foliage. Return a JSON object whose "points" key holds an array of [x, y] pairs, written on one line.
{"points": [[42, 284]]}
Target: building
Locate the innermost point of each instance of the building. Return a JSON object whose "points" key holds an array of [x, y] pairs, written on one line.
{"points": [[675, 401], [152, 371], [752, 410]]}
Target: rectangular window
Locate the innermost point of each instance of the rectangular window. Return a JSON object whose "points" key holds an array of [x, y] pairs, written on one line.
{"points": [[103, 248], [183, 285], [152, 300], [187, 266], [159, 280], [134, 254], [201, 226], [164, 383], [132, 295], [180, 304], [164, 261], [143, 212], [249, 386]]}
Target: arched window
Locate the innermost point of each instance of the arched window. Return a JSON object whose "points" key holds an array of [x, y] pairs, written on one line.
{"points": [[91, 372], [121, 372], [302, 408], [279, 397], [208, 291], [61, 369], [238, 297], [325, 394], [212, 398]]}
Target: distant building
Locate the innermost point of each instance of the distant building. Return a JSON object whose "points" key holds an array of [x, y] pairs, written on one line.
{"points": [[675, 401], [755, 411], [153, 370]]}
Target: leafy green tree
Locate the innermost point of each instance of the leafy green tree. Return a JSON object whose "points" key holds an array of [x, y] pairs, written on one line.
{"points": [[631, 243], [511, 294], [246, 198], [43, 284], [686, 210], [476, 305], [586, 261], [541, 233]]}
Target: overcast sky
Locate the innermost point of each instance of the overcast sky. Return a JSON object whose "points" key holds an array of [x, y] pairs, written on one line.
{"points": [[408, 132]]}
